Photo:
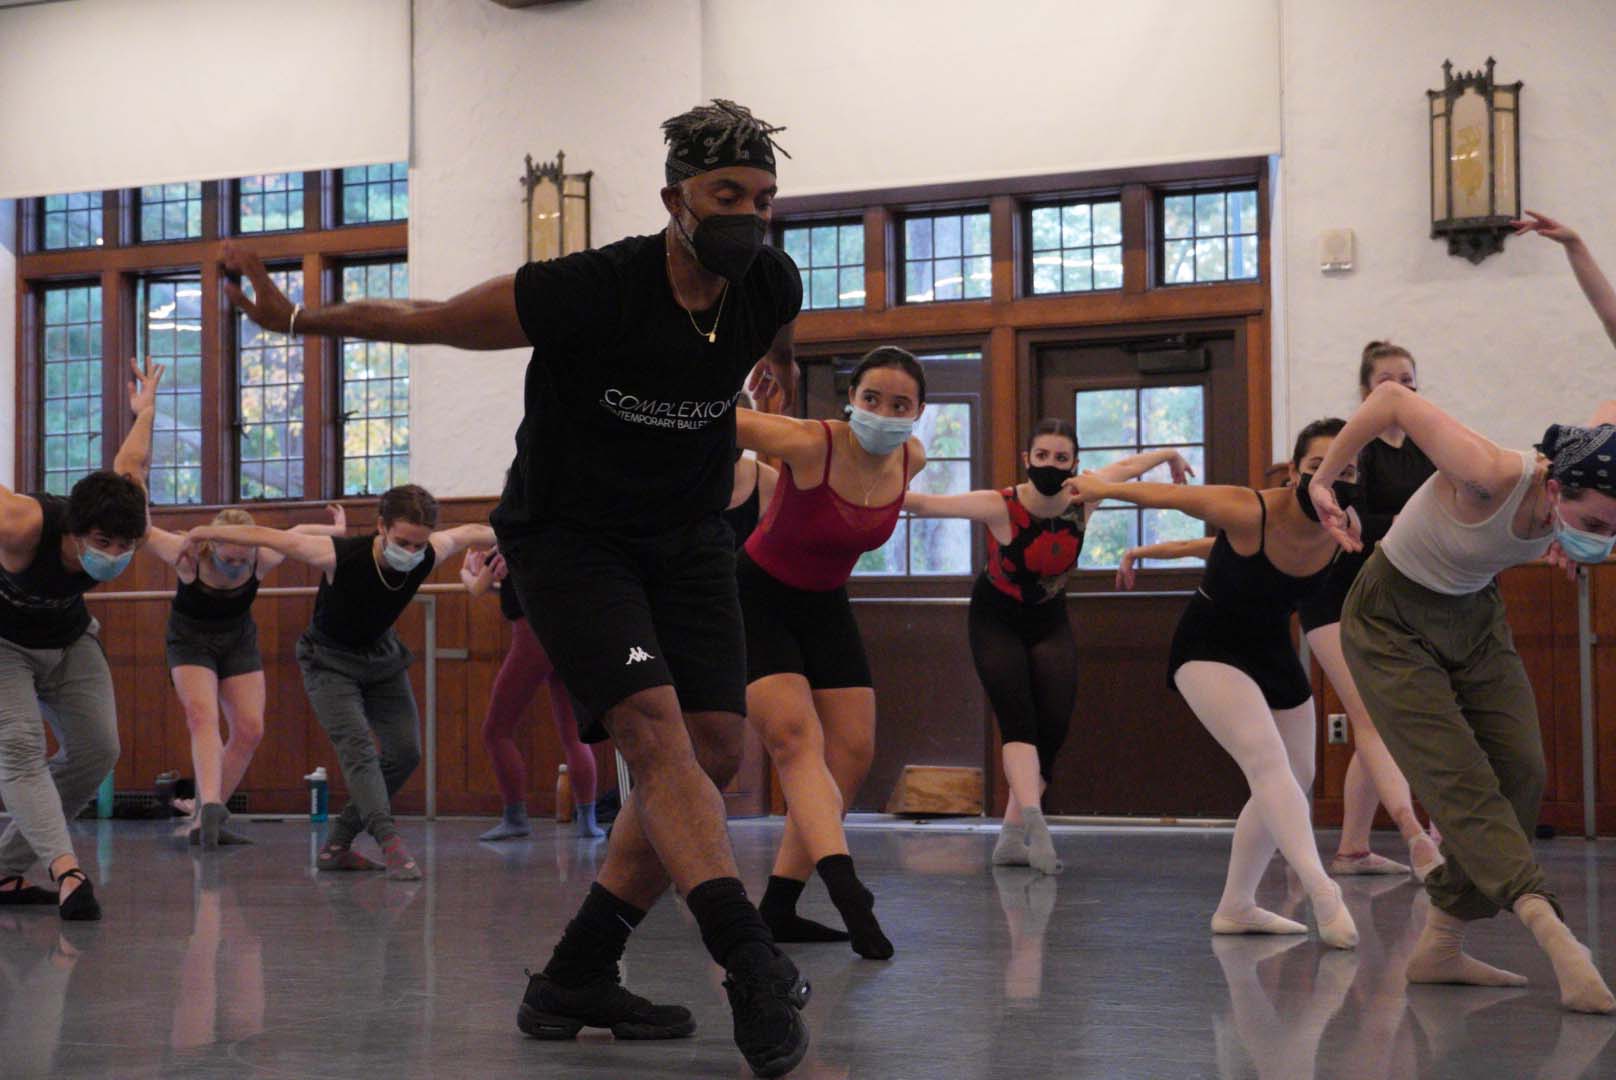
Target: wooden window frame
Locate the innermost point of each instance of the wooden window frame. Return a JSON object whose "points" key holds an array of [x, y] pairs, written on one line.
{"points": [[320, 246], [1024, 236], [1011, 321], [900, 284], [1158, 231], [778, 238]]}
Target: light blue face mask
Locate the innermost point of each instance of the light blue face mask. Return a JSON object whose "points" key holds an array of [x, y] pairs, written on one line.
{"points": [[101, 566], [228, 569], [1580, 545], [879, 435], [401, 560]]}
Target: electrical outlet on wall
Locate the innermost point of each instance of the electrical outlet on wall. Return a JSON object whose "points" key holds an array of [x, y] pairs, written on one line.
{"points": [[1336, 726]]}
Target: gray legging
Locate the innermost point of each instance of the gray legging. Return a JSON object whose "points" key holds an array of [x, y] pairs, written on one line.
{"points": [[72, 689], [356, 693]]}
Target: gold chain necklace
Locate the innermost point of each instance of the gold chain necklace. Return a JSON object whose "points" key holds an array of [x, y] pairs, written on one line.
{"points": [[880, 470], [710, 335], [383, 577]]}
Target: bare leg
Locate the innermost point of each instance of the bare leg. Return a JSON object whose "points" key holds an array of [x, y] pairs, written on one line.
{"points": [[198, 689], [242, 699]]}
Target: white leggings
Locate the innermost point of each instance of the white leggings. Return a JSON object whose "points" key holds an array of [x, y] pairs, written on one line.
{"points": [[1274, 748]]}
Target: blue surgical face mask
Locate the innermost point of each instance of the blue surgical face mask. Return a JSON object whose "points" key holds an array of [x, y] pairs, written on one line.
{"points": [[880, 435], [400, 559], [101, 566], [1580, 545], [228, 569]]}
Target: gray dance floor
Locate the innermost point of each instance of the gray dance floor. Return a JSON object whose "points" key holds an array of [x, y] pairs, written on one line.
{"points": [[246, 963]]}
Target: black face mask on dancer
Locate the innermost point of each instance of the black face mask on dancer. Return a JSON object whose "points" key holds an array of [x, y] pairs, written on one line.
{"points": [[1345, 495], [1047, 479], [726, 244]]}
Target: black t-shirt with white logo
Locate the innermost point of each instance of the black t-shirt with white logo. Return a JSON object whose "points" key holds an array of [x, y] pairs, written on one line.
{"points": [[629, 426], [43, 607]]}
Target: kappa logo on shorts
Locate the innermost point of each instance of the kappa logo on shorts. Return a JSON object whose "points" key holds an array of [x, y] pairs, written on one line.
{"points": [[637, 655]]}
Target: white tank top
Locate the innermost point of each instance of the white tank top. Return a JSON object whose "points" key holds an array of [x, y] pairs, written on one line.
{"points": [[1432, 549]]}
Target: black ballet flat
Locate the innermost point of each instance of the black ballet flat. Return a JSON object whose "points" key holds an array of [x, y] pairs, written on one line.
{"points": [[24, 893], [81, 906]]}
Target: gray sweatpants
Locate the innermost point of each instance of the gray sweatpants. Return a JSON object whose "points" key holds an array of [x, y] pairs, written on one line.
{"points": [[70, 688], [356, 694]]}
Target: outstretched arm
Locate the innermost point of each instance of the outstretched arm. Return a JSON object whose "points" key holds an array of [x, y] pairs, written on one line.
{"points": [[134, 456], [170, 547], [451, 542], [1219, 505], [1595, 286], [482, 317], [799, 443], [21, 520], [1130, 468], [338, 526], [318, 551], [1480, 471], [1198, 548], [985, 506]]}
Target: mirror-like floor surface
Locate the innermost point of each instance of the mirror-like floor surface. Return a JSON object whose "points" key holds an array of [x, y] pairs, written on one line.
{"points": [[246, 963]]}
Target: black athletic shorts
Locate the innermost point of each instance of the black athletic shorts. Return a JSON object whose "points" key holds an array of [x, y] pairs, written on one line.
{"points": [[619, 615], [792, 631], [227, 647]]}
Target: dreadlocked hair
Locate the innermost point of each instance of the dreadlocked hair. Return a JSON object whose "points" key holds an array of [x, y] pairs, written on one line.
{"points": [[717, 123]]}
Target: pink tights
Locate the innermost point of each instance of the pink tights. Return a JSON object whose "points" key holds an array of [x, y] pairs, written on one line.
{"points": [[526, 668]]}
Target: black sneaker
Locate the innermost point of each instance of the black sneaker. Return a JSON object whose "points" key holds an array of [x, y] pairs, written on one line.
{"points": [[767, 998], [550, 1011]]}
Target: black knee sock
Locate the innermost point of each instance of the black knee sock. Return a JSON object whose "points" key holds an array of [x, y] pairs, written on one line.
{"points": [[779, 911], [594, 940], [727, 918], [856, 904]]}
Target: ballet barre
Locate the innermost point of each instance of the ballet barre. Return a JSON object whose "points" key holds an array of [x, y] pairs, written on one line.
{"points": [[427, 597]]}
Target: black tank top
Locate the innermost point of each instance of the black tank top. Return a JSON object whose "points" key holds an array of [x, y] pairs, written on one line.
{"points": [[509, 605], [197, 600], [42, 607], [354, 608], [1250, 586], [743, 518]]}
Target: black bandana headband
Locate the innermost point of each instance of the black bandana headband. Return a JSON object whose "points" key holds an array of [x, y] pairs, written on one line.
{"points": [[718, 136], [1582, 457]]}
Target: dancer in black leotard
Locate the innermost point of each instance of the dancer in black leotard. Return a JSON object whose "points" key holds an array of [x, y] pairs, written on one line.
{"points": [[213, 658], [355, 668], [1390, 469], [1021, 638], [1233, 661]]}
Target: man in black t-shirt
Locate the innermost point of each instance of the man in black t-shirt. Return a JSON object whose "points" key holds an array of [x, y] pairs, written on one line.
{"points": [[52, 551], [610, 524]]}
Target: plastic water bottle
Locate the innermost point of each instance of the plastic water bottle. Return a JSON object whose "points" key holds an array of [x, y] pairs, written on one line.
{"points": [[319, 795], [564, 809], [103, 799]]}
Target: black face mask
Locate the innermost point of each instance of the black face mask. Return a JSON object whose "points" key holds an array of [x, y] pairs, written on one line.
{"points": [[1345, 495], [727, 244], [1047, 479]]}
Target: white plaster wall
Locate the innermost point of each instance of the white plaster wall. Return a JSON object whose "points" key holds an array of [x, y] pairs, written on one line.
{"points": [[1508, 346], [883, 93], [595, 79]]}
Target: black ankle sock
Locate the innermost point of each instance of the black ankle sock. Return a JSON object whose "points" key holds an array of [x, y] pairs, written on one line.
{"points": [[727, 918], [779, 911], [594, 940], [856, 904]]}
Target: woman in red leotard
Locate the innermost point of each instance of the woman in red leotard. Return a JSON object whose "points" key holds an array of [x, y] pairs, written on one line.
{"points": [[809, 689]]}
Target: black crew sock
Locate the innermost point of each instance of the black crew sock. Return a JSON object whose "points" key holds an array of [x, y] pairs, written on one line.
{"points": [[594, 940], [727, 918], [857, 906], [779, 911]]}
